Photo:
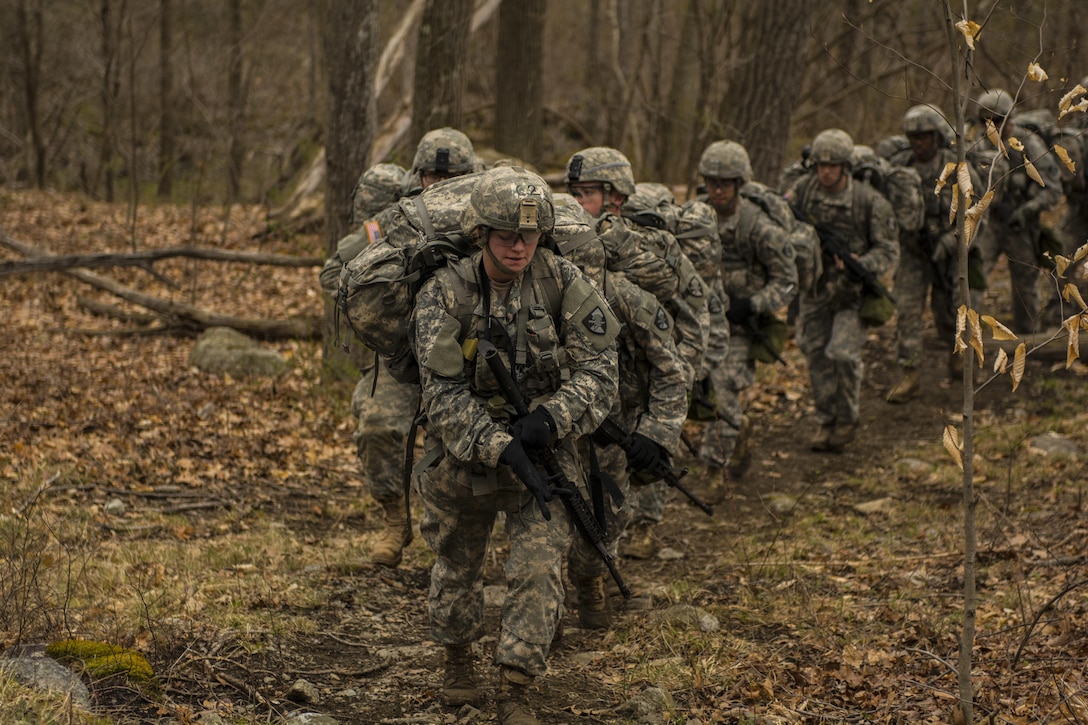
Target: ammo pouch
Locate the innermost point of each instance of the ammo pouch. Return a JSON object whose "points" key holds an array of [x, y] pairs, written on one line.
{"points": [[775, 332], [876, 309]]}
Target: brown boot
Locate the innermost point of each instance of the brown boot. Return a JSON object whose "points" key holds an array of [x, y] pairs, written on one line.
{"points": [[843, 436], [822, 440], [593, 609], [389, 548], [907, 389], [459, 684], [639, 542], [742, 450], [511, 697]]}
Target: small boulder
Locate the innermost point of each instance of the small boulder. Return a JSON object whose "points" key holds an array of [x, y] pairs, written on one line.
{"points": [[222, 350]]}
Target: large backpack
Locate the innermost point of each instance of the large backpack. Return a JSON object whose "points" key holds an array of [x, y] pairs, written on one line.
{"points": [[1042, 123], [900, 185], [377, 288], [800, 234]]}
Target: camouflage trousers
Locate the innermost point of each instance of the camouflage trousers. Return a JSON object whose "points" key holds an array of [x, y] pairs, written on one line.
{"points": [[832, 335], [916, 279], [457, 525], [380, 436], [1019, 247], [730, 379], [583, 560], [647, 503]]}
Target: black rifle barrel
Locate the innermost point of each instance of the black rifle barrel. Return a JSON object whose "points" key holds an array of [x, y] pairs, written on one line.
{"points": [[576, 505]]}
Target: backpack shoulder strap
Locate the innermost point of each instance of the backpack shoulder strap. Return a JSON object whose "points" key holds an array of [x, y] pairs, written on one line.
{"points": [[424, 216]]}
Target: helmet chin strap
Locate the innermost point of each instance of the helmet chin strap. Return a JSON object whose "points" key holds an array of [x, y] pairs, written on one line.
{"points": [[495, 261]]}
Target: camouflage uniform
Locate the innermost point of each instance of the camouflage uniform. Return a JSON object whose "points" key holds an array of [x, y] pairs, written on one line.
{"points": [[927, 256], [651, 258], [832, 332], [757, 266], [1074, 225], [1013, 227], [383, 407], [567, 365]]}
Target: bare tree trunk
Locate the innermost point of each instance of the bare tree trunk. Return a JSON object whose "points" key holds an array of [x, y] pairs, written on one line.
{"points": [[519, 73], [236, 103], [440, 62], [673, 125], [104, 173], [763, 91], [29, 37], [166, 100]]}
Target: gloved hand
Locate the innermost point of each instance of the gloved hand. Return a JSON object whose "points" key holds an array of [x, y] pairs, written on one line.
{"points": [[1018, 219], [645, 453], [514, 455], [536, 429], [945, 248], [740, 310]]}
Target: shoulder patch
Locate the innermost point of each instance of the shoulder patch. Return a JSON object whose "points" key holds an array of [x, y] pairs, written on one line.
{"points": [[661, 320], [373, 230], [596, 321], [695, 287]]}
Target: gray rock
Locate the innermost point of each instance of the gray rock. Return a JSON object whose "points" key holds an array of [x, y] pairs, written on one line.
{"points": [[649, 706], [221, 350], [45, 673], [1053, 445], [303, 692], [687, 616], [309, 718]]}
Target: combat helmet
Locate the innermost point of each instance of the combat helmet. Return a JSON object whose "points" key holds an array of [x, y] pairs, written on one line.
{"points": [[378, 187], [994, 104], [511, 199], [602, 164], [444, 151], [924, 118], [576, 238], [832, 146], [726, 160]]}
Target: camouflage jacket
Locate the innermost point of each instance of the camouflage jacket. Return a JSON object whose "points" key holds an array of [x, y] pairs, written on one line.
{"points": [[570, 356], [757, 259]]}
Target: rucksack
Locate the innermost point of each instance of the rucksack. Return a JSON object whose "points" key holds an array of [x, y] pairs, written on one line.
{"points": [[377, 287], [800, 234], [900, 185], [1042, 123]]}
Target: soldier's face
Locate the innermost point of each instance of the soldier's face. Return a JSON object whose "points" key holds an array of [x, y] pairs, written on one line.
{"points": [[831, 177], [513, 250], [924, 145], [590, 196], [430, 178], [721, 194]]}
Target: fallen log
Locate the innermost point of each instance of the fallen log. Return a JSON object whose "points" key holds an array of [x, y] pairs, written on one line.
{"points": [[189, 317]]}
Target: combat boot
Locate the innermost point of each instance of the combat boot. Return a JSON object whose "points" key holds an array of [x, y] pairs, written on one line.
{"points": [[593, 609], [389, 548], [459, 684], [639, 542], [907, 389], [822, 440], [843, 436], [511, 697], [742, 450]]}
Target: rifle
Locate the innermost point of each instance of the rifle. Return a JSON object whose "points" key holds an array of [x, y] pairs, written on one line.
{"points": [[835, 247], [577, 508], [757, 333], [617, 435]]}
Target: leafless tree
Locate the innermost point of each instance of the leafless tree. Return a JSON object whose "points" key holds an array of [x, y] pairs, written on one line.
{"points": [[519, 73], [439, 70]]}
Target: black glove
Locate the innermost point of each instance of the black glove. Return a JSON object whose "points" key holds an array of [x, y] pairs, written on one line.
{"points": [[644, 454], [518, 460], [740, 310], [535, 430]]}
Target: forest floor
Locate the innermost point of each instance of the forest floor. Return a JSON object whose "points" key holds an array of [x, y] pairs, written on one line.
{"points": [[221, 527]]}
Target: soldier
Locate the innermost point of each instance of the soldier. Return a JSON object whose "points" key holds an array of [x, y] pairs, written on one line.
{"points": [[651, 405], [832, 331], [1074, 224], [759, 274], [927, 257], [556, 335], [383, 407], [1012, 225]]}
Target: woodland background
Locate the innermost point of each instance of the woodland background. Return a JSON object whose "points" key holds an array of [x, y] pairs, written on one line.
{"points": [[196, 102]]}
